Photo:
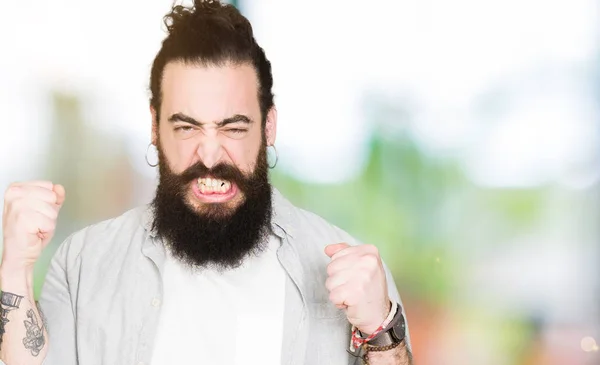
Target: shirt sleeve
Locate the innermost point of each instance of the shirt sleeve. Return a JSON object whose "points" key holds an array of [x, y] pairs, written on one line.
{"points": [[58, 311]]}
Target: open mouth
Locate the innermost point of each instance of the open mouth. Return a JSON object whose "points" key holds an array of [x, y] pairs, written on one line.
{"points": [[213, 190], [206, 185]]}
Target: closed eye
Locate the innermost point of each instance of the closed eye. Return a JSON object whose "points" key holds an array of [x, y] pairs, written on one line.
{"points": [[236, 130], [184, 128]]}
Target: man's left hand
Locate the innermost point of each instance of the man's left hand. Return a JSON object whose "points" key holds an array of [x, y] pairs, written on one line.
{"points": [[356, 281]]}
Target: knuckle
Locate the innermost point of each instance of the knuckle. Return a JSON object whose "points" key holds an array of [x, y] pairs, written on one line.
{"points": [[21, 220], [42, 222], [372, 249], [25, 215], [350, 299], [371, 261], [17, 208], [47, 226], [11, 191], [334, 297], [330, 269], [52, 214], [329, 284]]}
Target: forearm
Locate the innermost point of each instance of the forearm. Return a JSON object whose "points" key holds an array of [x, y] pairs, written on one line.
{"points": [[399, 355], [23, 336]]}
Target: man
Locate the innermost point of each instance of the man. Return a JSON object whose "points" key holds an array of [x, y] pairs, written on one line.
{"points": [[220, 268]]}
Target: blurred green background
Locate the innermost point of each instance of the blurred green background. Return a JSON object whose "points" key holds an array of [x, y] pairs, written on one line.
{"points": [[459, 137]]}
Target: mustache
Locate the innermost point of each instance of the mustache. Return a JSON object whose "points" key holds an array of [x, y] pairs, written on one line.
{"points": [[222, 171], [250, 184]]}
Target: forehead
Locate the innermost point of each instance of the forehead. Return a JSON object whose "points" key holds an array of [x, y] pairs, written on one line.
{"points": [[210, 93]]}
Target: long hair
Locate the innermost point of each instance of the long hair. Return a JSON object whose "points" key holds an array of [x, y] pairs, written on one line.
{"points": [[210, 33]]}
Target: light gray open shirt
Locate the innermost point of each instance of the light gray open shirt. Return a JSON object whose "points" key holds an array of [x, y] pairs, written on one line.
{"points": [[103, 291]]}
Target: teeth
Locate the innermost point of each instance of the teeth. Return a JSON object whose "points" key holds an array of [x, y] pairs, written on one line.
{"points": [[213, 185], [226, 186]]}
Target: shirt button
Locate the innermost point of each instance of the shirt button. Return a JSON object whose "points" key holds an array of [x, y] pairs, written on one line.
{"points": [[155, 303]]}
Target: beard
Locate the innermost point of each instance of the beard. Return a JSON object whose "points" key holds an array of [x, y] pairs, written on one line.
{"points": [[213, 235]]}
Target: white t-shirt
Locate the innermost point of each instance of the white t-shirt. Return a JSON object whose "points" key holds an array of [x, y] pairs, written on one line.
{"points": [[211, 317]]}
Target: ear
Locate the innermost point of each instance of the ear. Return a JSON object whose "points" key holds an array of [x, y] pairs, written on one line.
{"points": [[271, 126], [154, 125]]}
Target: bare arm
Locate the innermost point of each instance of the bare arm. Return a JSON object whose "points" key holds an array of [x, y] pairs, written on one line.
{"points": [[23, 336], [28, 221], [399, 355]]}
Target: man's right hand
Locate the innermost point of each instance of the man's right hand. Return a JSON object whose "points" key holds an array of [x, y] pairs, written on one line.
{"points": [[29, 221]]}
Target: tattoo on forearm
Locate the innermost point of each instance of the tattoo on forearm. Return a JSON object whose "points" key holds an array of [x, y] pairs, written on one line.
{"points": [[8, 302], [44, 321], [34, 338]]}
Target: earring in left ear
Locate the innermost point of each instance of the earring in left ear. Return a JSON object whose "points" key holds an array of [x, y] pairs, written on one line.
{"points": [[276, 157]]}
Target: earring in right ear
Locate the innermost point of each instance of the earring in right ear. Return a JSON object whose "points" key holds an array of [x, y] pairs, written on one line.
{"points": [[147, 151]]}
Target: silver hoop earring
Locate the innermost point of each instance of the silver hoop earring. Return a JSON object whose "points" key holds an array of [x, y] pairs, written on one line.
{"points": [[148, 150], [276, 157]]}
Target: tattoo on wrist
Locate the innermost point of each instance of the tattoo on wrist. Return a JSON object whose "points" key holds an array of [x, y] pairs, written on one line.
{"points": [[8, 302], [34, 338]]}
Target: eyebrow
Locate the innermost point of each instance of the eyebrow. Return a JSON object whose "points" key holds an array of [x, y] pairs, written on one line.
{"points": [[180, 117]]}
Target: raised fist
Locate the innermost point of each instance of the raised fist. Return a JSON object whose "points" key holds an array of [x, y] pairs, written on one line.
{"points": [[29, 220]]}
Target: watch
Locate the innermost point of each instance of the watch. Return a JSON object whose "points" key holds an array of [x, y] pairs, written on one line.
{"points": [[394, 333]]}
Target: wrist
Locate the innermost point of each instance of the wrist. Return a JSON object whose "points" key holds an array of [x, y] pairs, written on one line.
{"points": [[16, 279], [386, 337], [385, 313]]}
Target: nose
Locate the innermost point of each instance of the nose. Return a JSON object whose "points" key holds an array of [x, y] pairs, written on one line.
{"points": [[210, 151]]}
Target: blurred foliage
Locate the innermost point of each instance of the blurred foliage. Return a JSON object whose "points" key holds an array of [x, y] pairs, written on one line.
{"points": [[396, 204], [419, 210]]}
